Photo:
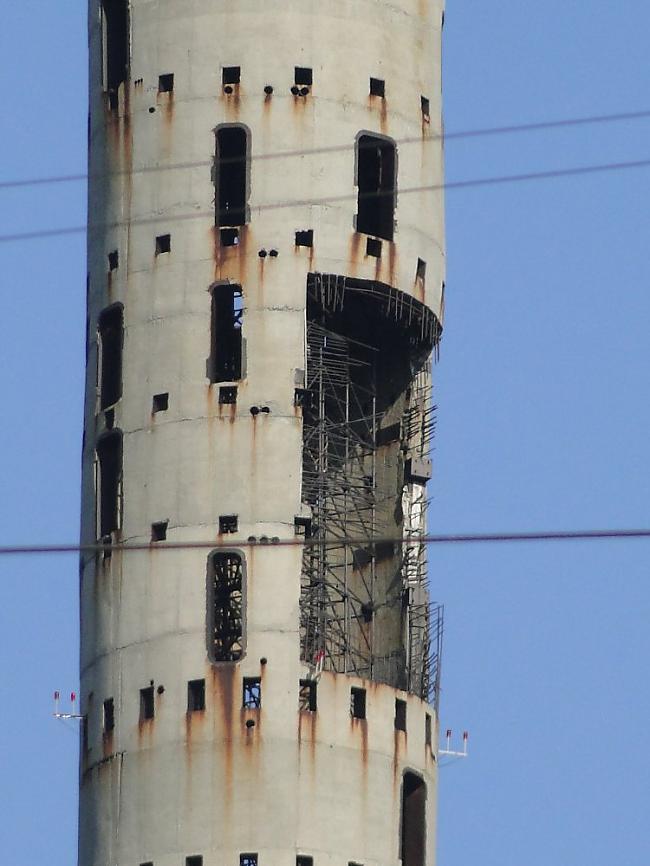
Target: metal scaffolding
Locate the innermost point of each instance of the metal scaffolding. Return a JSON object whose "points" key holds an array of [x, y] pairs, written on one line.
{"points": [[366, 607]]}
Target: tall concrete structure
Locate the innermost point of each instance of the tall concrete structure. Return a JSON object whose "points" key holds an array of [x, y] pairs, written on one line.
{"points": [[265, 292]]}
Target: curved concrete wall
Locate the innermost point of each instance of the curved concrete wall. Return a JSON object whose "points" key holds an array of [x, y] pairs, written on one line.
{"points": [[318, 784]]}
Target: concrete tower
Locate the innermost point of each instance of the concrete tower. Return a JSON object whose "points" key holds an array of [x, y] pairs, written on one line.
{"points": [[265, 291]]}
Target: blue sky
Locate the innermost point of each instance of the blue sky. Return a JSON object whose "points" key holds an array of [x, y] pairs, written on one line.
{"points": [[543, 423]]}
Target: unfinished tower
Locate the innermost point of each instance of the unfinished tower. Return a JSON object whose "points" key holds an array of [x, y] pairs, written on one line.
{"points": [[265, 293]]}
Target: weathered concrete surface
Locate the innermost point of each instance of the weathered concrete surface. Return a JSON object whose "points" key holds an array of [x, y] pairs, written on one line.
{"points": [[321, 784]]}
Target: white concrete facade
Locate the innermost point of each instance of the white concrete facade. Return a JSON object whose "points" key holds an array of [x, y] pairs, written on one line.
{"points": [[322, 784]]}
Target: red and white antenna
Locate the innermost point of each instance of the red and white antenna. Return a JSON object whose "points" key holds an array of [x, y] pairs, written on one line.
{"points": [[452, 753], [73, 714]]}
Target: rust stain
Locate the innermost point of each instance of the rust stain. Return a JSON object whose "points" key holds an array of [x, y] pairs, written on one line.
{"points": [[223, 696], [383, 116], [355, 244], [392, 264]]}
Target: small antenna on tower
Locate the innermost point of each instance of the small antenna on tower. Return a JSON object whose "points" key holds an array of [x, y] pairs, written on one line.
{"points": [[451, 753], [73, 714]]}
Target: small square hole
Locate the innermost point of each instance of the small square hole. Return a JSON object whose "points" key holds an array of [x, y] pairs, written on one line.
{"points": [[194, 860], [163, 244], [195, 696], [302, 860], [421, 269], [228, 523], [228, 394], [231, 75], [113, 260], [358, 703], [160, 402], [377, 87], [159, 530], [146, 704], [426, 111], [166, 83], [248, 860], [373, 248], [427, 730], [305, 238], [148, 863], [252, 698], [303, 76], [229, 237], [109, 715], [308, 695], [400, 715], [304, 398]]}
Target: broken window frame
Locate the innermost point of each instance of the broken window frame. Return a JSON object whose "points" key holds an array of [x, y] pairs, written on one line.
{"points": [[308, 695], [226, 615], [358, 703], [226, 361], [116, 47], [109, 496], [225, 168], [376, 186], [147, 704], [252, 693], [110, 344]]}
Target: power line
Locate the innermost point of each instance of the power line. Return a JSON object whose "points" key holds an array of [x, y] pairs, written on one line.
{"points": [[457, 538], [460, 184], [480, 132]]}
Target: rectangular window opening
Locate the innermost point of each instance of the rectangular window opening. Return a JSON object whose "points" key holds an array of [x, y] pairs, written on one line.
{"points": [[252, 697], [303, 860], [109, 715], [163, 244], [109, 456], [303, 76], [225, 606], [373, 248], [231, 75], [413, 823], [116, 46], [159, 530], [166, 83], [427, 730], [110, 327], [400, 715], [228, 395], [305, 238], [147, 709], [229, 237], [308, 695], [302, 526], [376, 181], [160, 402], [195, 696], [377, 87], [231, 177], [227, 319], [228, 523], [426, 111], [194, 860], [113, 260], [248, 860], [358, 703], [421, 269]]}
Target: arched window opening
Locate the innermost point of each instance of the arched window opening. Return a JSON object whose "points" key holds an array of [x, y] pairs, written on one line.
{"points": [[231, 176], [376, 181], [225, 364], [111, 338], [109, 457], [225, 606], [414, 830]]}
